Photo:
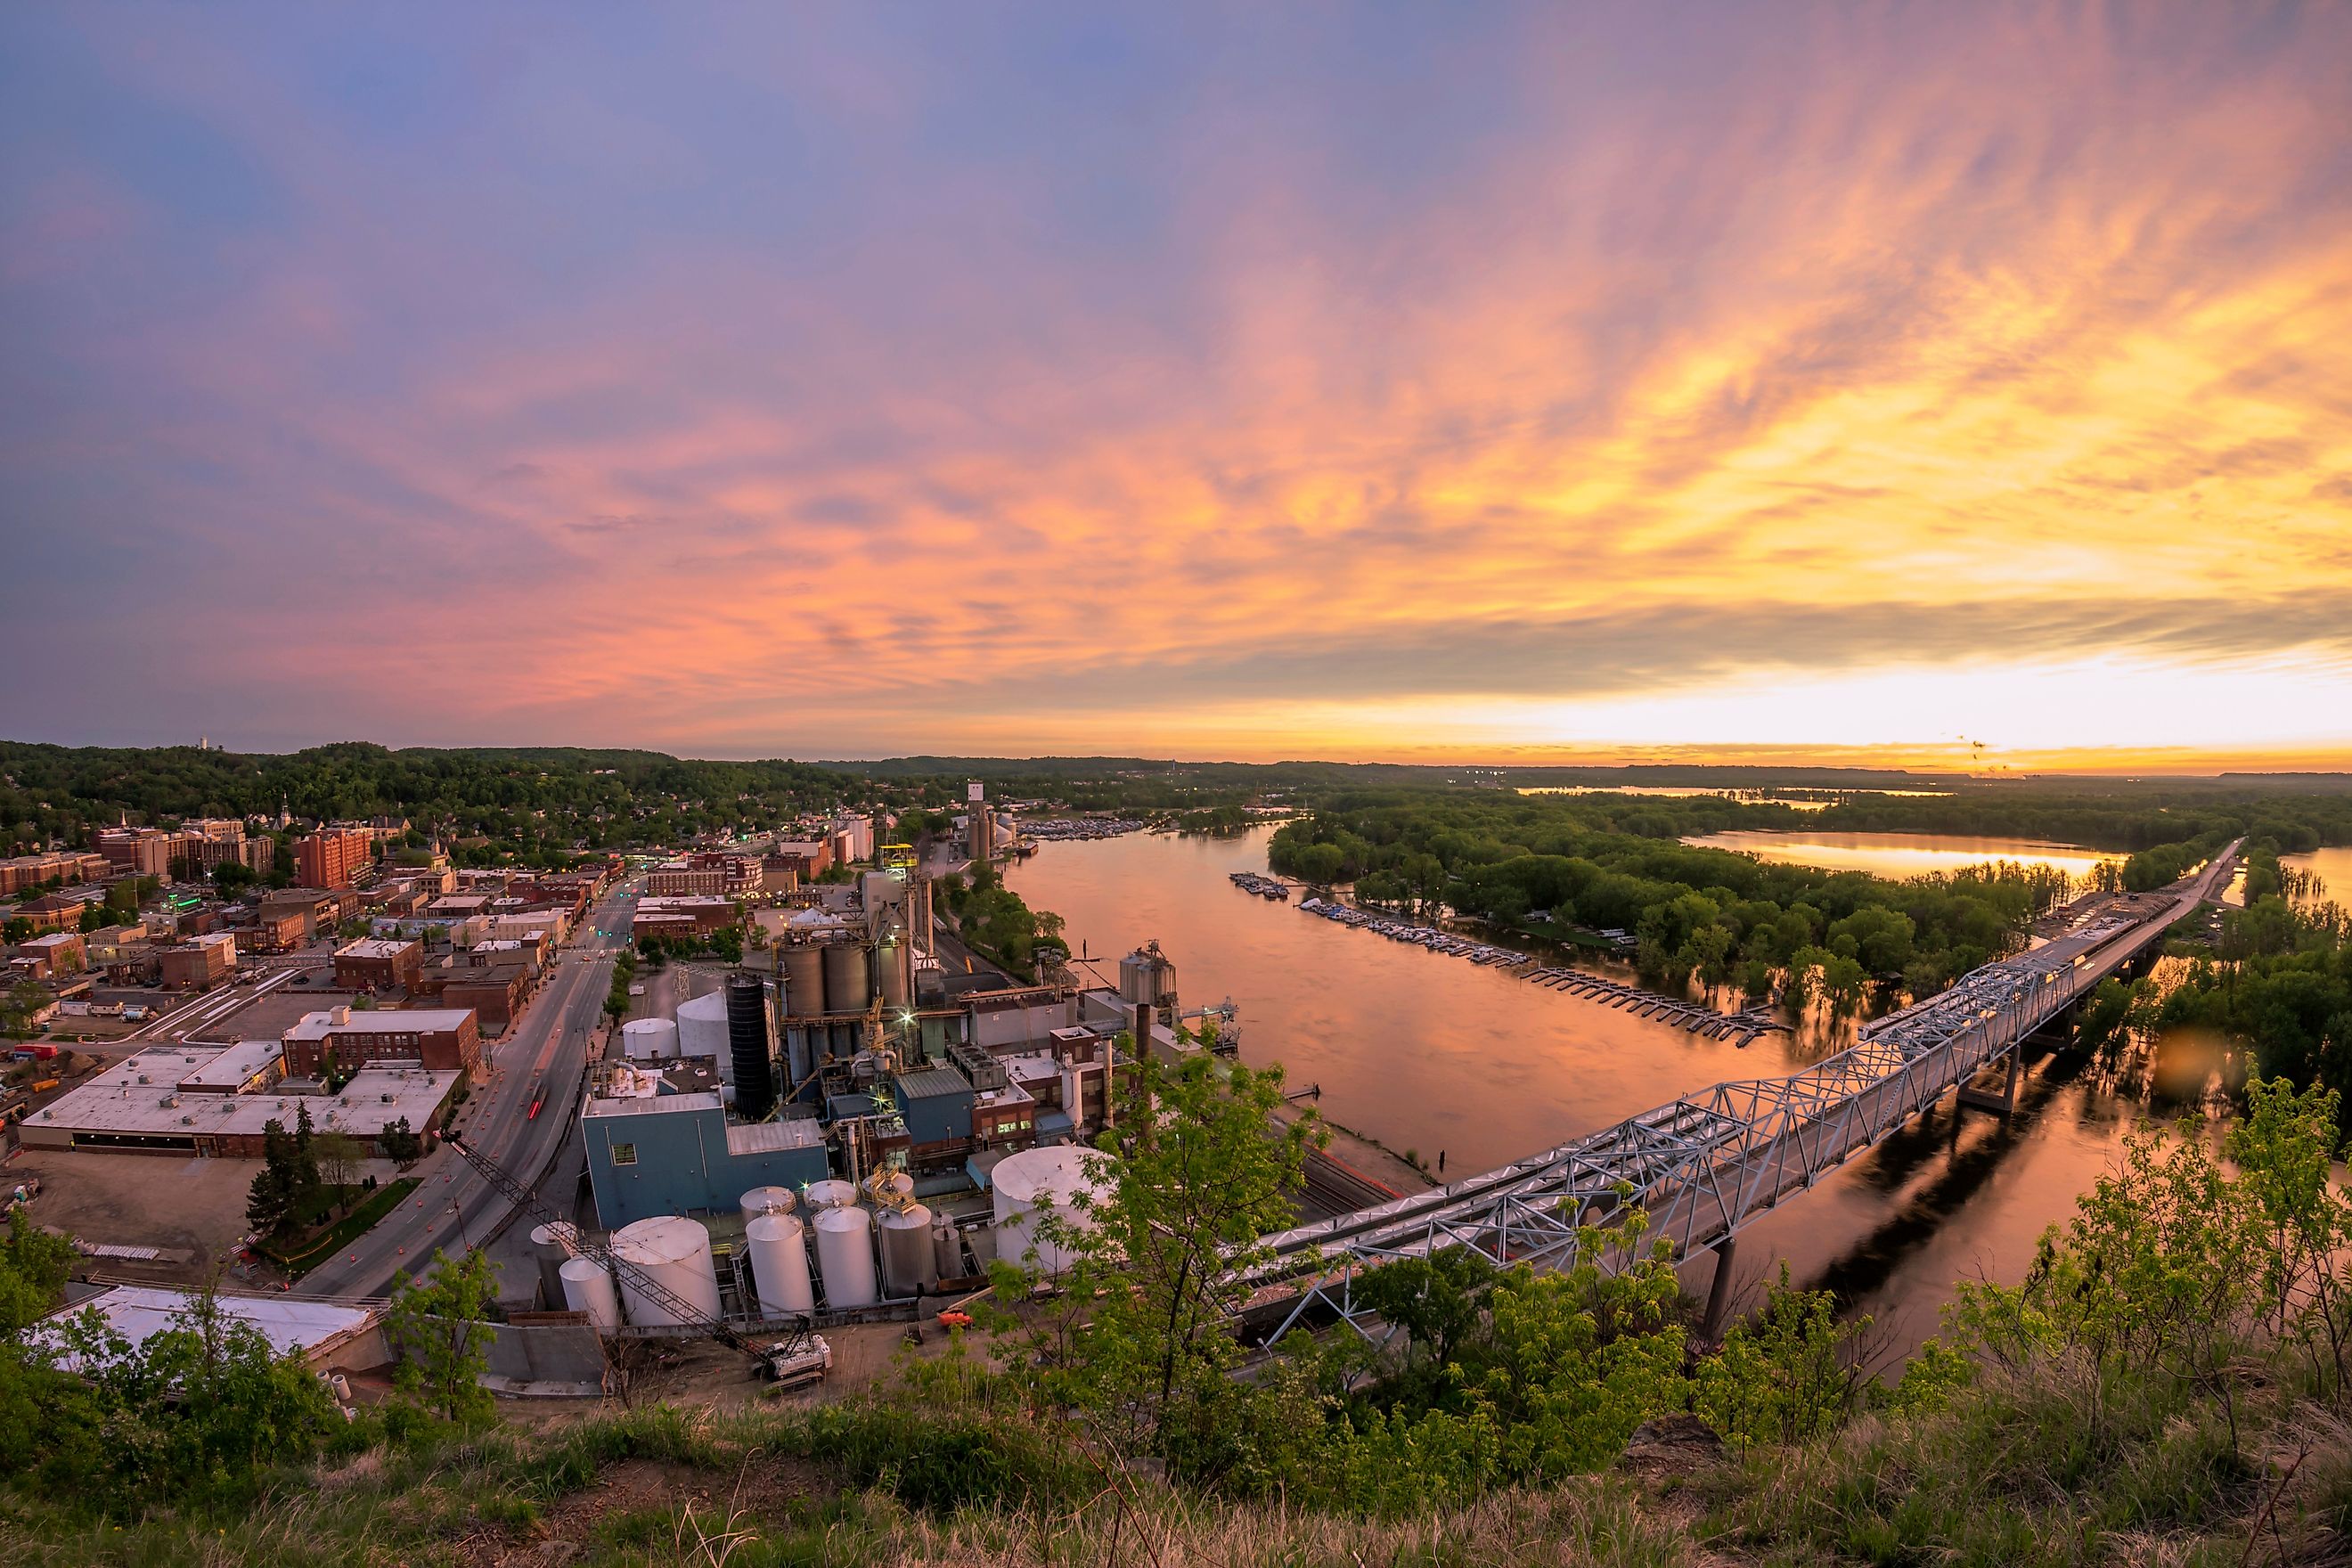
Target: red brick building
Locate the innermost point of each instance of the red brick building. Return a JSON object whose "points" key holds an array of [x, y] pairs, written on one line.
{"points": [[281, 931], [204, 962], [496, 993], [442, 1039], [332, 857], [376, 964]]}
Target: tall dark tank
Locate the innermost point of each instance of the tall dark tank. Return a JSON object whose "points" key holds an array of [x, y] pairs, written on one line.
{"points": [[747, 1047]]}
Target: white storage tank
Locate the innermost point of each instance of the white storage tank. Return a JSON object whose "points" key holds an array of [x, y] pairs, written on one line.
{"points": [[780, 1269], [845, 1255], [703, 1031], [946, 1247], [768, 1200], [588, 1289], [552, 1247], [830, 1193], [676, 1251], [649, 1039], [1059, 1174], [909, 1264]]}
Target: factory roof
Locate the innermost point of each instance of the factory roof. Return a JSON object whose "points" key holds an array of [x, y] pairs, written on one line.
{"points": [[138, 1313], [652, 1105], [1032, 1067], [771, 1137], [932, 1083], [117, 1101], [230, 1070]]}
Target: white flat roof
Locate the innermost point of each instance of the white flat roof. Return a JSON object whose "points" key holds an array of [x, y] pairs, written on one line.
{"points": [[373, 947], [140, 1312], [379, 1021], [115, 1102], [233, 1067]]}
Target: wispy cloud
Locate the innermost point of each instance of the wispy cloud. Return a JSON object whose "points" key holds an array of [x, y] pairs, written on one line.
{"points": [[784, 386]]}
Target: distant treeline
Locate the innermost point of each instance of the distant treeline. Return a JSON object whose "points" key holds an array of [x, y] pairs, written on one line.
{"points": [[547, 802]]}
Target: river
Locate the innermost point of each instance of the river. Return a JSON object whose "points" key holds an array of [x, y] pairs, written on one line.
{"points": [[1430, 1053], [1897, 855]]}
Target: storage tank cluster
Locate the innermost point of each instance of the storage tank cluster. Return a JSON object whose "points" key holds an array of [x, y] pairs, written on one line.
{"points": [[783, 1236], [830, 984]]}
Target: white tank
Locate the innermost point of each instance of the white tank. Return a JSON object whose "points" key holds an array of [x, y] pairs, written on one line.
{"points": [[768, 1200], [588, 1289], [946, 1247], [552, 1247], [829, 1193], [1059, 1174], [909, 1264], [703, 1031], [845, 1257], [676, 1252], [780, 1269], [649, 1039]]}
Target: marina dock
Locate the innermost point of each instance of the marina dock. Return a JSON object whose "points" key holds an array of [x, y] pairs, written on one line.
{"points": [[1738, 1027]]}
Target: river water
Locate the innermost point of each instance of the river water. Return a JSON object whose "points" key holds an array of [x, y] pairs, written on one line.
{"points": [[1897, 855], [1433, 1054]]}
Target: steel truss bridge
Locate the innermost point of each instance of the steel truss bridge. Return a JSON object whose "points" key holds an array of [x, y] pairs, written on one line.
{"points": [[1708, 1165]]}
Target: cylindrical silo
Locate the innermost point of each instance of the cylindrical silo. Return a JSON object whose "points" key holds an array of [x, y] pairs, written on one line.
{"points": [[550, 1246], [946, 1247], [803, 980], [702, 1027], [1027, 1183], [588, 1289], [780, 1269], [909, 1264], [676, 1252], [649, 1039], [768, 1200], [894, 959], [849, 978], [747, 1046], [832, 1193], [845, 1255]]}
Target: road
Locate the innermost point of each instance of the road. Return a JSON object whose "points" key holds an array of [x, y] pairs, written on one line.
{"points": [[454, 1207]]}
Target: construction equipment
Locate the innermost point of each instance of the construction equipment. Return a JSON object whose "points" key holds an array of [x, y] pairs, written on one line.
{"points": [[771, 1357]]}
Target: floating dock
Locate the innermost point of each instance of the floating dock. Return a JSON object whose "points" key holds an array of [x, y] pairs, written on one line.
{"points": [[1739, 1029]]}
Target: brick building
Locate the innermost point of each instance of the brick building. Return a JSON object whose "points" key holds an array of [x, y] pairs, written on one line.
{"points": [[141, 851], [681, 916], [281, 930], [378, 964], [63, 950], [332, 857], [495, 991], [207, 960], [441, 1039], [63, 867]]}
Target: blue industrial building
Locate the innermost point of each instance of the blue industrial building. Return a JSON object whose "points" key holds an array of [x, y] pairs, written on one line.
{"points": [[677, 1153], [936, 1105]]}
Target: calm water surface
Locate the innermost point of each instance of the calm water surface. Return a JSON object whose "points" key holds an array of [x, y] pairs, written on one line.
{"points": [[1897, 855], [1430, 1053]]}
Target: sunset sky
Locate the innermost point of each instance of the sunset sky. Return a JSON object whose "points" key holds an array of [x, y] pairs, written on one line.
{"points": [[1549, 384]]}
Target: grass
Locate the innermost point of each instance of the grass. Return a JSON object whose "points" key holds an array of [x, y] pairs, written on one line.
{"points": [[348, 1229], [2066, 1468]]}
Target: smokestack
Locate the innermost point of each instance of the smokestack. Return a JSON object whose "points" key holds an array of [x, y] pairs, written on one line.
{"points": [[747, 1047]]}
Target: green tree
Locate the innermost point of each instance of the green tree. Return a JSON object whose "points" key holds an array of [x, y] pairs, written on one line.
{"points": [[1786, 1377], [16, 928], [438, 1326], [1143, 1345], [340, 1157]]}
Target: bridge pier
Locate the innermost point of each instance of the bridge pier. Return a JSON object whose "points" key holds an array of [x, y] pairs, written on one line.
{"points": [[2005, 1101], [1718, 1291]]}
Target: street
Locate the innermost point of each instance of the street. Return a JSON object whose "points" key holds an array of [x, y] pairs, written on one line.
{"points": [[548, 1050]]}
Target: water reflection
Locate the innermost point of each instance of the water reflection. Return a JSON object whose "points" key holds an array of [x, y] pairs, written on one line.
{"points": [[1899, 854], [1428, 1053]]}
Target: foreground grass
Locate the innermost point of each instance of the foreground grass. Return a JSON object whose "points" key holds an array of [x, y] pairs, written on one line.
{"points": [[2065, 1470]]}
